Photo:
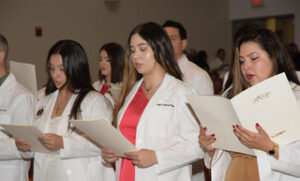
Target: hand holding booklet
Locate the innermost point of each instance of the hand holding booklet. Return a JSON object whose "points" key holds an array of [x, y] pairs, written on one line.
{"points": [[270, 103], [102, 132], [27, 133]]}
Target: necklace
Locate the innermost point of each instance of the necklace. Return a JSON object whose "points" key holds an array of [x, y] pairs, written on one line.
{"points": [[59, 106], [57, 109], [61, 103], [149, 89]]}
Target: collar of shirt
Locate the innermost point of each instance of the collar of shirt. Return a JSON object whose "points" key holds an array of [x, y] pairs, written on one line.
{"points": [[2, 79], [180, 59]]}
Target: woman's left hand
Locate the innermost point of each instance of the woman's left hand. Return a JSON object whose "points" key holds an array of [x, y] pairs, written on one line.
{"points": [[143, 158], [259, 140], [52, 141]]}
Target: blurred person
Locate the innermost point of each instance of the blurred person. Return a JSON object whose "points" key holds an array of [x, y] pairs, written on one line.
{"points": [[111, 67], [191, 54], [218, 64], [201, 60]]}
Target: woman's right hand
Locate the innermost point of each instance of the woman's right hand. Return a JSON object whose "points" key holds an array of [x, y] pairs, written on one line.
{"points": [[109, 155], [22, 145], [206, 140]]}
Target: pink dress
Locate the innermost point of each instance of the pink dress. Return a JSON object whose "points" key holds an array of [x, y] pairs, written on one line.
{"points": [[128, 127]]}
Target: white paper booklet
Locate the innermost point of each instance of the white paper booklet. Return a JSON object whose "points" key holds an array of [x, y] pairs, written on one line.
{"points": [[105, 134], [270, 103], [25, 75], [27, 133]]}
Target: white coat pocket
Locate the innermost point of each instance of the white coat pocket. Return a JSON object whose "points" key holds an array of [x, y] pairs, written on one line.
{"points": [[161, 120]]}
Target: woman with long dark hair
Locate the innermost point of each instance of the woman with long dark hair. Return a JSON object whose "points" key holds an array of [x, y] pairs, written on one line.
{"points": [[111, 68], [152, 112], [68, 95]]}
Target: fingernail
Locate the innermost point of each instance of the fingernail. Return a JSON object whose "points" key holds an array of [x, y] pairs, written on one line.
{"points": [[233, 126], [212, 135], [257, 124], [215, 139], [233, 130], [205, 128], [237, 126]]}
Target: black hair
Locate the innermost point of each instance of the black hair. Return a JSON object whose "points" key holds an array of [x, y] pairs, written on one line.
{"points": [[116, 57], [177, 25], [76, 69]]}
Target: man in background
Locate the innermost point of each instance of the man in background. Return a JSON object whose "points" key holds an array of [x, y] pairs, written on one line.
{"points": [[192, 74], [197, 77], [17, 106]]}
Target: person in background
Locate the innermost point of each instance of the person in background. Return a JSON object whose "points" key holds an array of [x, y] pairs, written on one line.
{"points": [[218, 65], [191, 54], [68, 95], [259, 56], [197, 77], [17, 106], [152, 112], [201, 60], [192, 74], [111, 67]]}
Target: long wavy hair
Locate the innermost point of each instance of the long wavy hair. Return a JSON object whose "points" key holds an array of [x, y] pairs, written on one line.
{"points": [[76, 69], [243, 31], [269, 42], [162, 48]]}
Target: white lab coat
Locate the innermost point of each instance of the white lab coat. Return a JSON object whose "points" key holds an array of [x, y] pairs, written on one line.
{"points": [[197, 77], [287, 168], [200, 80], [81, 159], [167, 127], [98, 86], [17, 106]]}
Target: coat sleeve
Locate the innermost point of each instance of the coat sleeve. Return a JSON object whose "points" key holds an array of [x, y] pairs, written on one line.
{"points": [[77, 144], [22, 112], [183, 147], [205, 85], [218, 164], [287, 164]]}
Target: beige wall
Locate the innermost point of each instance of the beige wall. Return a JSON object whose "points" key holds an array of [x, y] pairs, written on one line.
{"points": [[95, 22], [242, 9]]}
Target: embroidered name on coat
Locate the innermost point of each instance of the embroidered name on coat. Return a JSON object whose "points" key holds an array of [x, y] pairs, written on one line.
{"points": [[166, 105]]}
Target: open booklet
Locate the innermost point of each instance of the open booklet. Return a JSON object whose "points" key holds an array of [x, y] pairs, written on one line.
{"points": [[270, 103], [103, 133], [27, 133], [25, 75]]}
